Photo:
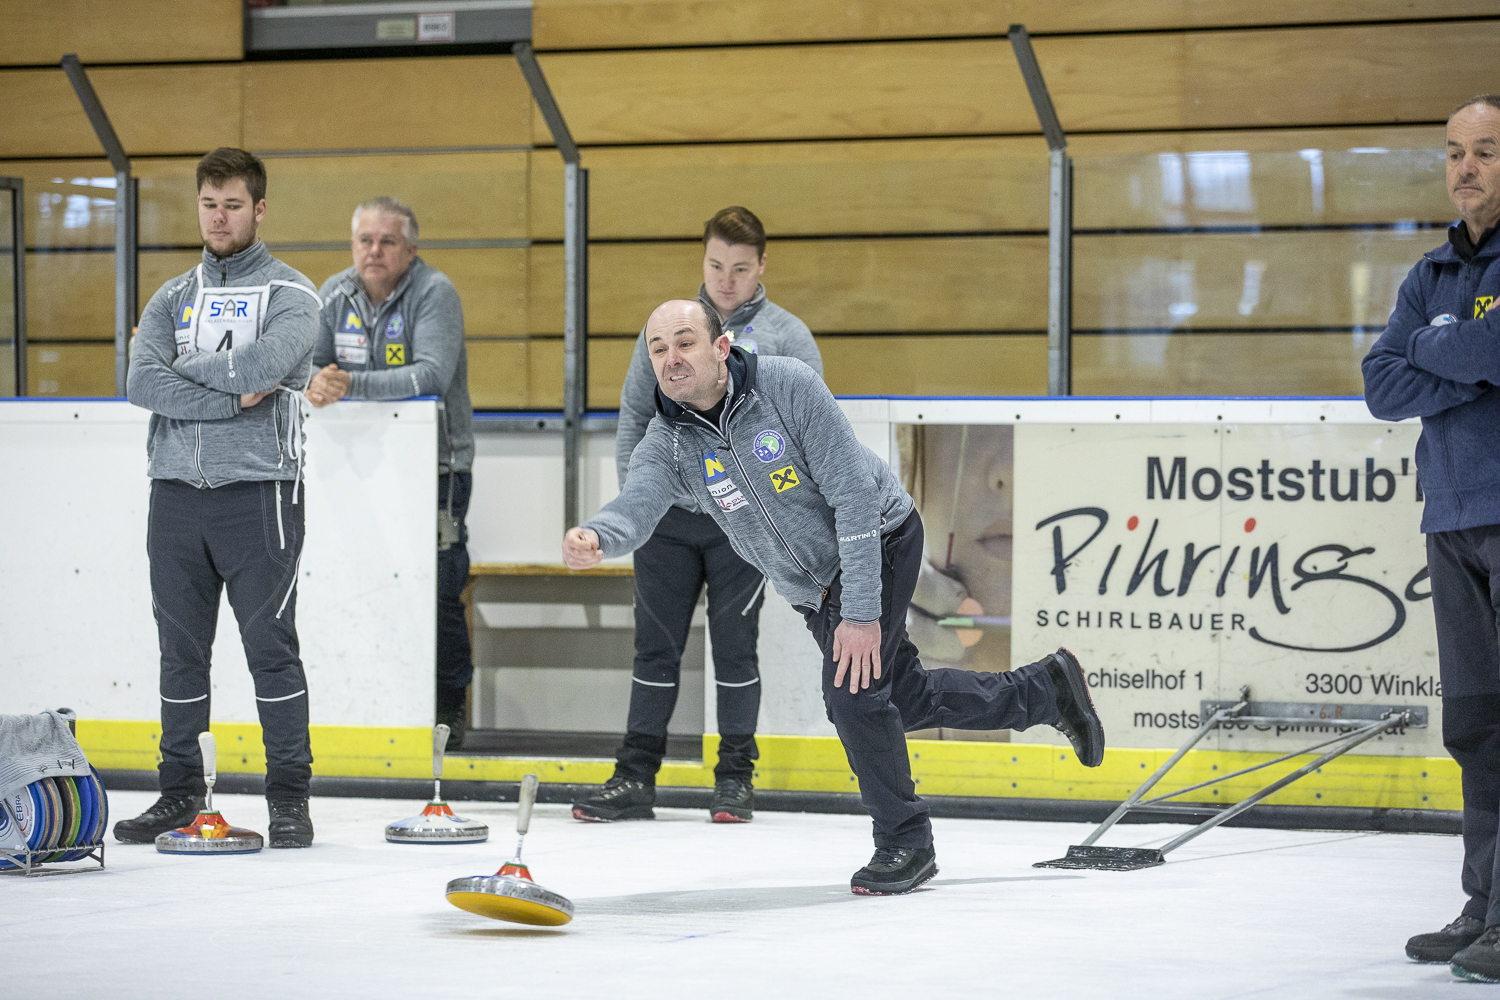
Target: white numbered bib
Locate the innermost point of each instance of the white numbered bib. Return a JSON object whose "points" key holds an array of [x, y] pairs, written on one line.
{"points": [[221, 319]]}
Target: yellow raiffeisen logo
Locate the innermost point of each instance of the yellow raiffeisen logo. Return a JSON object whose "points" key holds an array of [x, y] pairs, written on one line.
{"points": [[784, 479], [395, 354], [1482, 305]]}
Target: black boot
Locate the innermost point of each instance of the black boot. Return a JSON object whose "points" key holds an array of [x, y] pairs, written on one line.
{"points": [[1441, 946], [895, 870], [452, 711], [734, 801], [1480, 961], [1076, 718], [290, 825], [169, 813], [620, 798]]}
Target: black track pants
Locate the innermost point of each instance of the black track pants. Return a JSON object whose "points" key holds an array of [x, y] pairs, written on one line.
{"points": [[1465, 570], [873, 723], [199, 542], [670, 569], [455, 657]]}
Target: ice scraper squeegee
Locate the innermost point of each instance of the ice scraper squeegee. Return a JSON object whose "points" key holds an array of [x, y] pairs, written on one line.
{"points": [[1352, 725]]}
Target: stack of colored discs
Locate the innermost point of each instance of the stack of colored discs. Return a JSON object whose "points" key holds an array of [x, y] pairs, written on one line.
{"points": [[57, 818]]}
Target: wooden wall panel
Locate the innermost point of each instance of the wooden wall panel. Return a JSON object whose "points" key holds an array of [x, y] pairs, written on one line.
{"points": [[71, 296], [1186, 364], [1184, 80], [936, 365], [155, 109], [386, 103], [817, 91], [499, 374], [938, 185], [455, 196], [607, 24], [1323, 278], [1137, 180], [608, 359], [38, 32], [974, 283], [70, 369]]}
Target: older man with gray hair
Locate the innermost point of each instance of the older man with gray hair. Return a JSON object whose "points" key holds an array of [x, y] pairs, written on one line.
{"points": [[392, 327]]}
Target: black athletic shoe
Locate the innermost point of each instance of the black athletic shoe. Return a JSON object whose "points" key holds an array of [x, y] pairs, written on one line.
{"points": [[169, 813], [1441, 946], [620, 798], [290, 825], [1076, 718], [734, 801], [895, 870], [1480, 961]]}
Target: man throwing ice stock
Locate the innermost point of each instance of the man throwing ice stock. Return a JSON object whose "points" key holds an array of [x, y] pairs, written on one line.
{"points": [[761, 444]]}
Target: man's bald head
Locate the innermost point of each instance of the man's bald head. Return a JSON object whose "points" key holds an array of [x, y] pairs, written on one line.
{"points": [[687, 347]]}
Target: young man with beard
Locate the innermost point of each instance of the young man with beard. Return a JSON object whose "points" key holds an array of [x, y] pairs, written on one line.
{"points": [[220, 360]]}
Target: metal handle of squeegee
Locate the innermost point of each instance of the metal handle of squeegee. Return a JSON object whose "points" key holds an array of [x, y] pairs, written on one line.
{"points": [[1136, 796], [1355, 739], [1301, 752], [439, 743], [210, 751]]}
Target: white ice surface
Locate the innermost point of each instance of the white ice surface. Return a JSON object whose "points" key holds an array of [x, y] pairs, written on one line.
{"points": [[684, 908]]}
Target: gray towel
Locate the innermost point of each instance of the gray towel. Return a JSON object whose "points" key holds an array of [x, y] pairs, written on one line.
{"points": [[37, 746]]}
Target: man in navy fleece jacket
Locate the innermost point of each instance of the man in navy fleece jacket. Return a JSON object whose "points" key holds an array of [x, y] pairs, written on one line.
{"points": [[1439, 359]]}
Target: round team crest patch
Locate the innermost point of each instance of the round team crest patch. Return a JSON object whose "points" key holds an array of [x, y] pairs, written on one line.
{"points": [[769, 446], [747, 344], [394, 326]]}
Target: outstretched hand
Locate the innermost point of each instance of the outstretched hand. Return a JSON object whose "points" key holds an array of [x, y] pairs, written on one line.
{"points": [[856, 649], [581, 548]]}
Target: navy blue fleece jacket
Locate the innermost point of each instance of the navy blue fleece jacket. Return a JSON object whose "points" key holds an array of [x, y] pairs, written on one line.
{"points": [[1439, 359]]}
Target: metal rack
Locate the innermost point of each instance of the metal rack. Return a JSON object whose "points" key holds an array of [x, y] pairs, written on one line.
{"points": [[1354, 725], [29, 862]]}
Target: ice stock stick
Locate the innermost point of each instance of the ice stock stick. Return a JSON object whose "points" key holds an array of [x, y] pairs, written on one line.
{"points": [[439, 742], [526, 800], [210, 751]]}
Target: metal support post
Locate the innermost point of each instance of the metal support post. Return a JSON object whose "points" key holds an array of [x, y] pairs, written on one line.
{"points": [[575, 335], [17, 188], [576, 276], [1059, 221], [126, 264]]}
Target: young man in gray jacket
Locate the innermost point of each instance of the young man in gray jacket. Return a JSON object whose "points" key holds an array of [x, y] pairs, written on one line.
{"points": [[688, 549], [220, 360], [392, 327], [762, 445]]}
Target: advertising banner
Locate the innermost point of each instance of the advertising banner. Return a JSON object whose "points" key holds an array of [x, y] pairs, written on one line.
{"points": [[1183, 562]]}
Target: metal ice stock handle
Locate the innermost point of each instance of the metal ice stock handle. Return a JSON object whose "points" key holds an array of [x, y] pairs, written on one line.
{"points": [[527, 800], [439, 742], [209, 749]]}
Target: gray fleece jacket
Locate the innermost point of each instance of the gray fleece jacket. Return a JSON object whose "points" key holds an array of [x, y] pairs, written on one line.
{"points": [[782, 474], [198, 433], [412, 344], [760, 326]]}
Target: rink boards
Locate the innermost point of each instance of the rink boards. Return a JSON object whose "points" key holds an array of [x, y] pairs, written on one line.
{"points": [[369, 548]]}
